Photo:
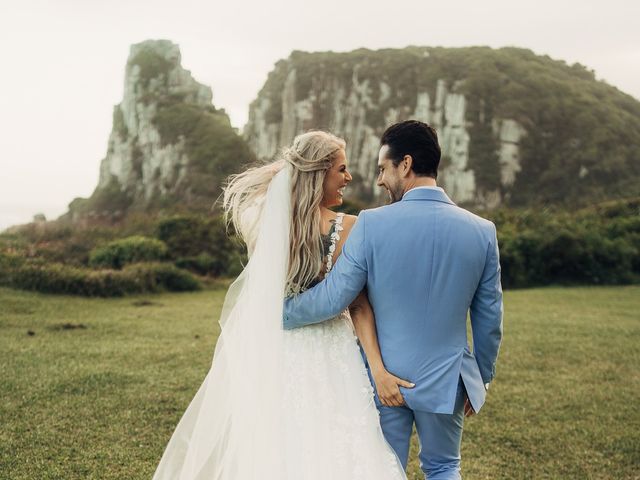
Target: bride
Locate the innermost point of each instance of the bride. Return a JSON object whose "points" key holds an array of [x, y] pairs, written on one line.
{"points": [[298, 404]]}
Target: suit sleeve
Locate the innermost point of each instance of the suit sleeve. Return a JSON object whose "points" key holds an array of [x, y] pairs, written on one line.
{"points": [[486, 313], [343, 284]]}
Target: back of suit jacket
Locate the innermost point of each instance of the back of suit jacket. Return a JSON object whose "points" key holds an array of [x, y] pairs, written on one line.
{"points": [[426, 264]]}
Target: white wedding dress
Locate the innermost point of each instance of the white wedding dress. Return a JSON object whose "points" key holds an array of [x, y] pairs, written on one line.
{"points": [[276, 404]]}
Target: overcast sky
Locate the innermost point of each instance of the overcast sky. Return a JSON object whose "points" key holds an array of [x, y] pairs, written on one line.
{"points": [[63, 63]]}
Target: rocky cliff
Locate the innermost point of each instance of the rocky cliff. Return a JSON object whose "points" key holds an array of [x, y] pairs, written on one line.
{"points": [[515, 128], [169, 146]]}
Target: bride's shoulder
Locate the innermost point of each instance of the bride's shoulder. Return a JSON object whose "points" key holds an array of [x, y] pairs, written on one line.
{"points": [[349, 220]]}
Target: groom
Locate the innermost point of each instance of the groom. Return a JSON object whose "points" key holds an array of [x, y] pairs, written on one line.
{"points": [[425, 263]]}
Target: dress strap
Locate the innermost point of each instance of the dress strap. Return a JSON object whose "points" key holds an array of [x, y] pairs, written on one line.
{"points": [[335, 237]]}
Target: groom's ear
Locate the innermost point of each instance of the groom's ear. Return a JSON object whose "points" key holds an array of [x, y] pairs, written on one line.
{"points": [[406, 165]]}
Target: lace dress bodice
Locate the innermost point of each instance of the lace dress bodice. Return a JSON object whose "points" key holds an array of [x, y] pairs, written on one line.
{"points": [[329, 243]]}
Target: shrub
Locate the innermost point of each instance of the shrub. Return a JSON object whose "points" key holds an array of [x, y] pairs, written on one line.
{"points": [[574, 256], [118, 253], [199, 244], [64, 279], [163, 276], [59, 278], [599, 245], [8, 263], [184, 235], [203, 264]]}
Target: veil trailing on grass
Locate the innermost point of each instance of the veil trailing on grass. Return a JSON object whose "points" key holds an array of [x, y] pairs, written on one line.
{"points": [[234, 426]]}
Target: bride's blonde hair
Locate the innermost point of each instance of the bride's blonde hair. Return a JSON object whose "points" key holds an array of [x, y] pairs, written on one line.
{"points": [[310, 155]]}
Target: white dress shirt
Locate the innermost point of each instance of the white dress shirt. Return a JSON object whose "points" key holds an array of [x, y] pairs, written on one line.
{"points": [[430, 187]]}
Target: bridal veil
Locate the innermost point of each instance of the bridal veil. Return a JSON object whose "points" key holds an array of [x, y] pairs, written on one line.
{"points": [[234, 426]]}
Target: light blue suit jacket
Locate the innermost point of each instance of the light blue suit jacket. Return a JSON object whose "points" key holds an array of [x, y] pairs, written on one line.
{"points": [[426, 263]]}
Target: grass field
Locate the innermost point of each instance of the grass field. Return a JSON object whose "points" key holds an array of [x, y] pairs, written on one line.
{"points": [[97, 387]]}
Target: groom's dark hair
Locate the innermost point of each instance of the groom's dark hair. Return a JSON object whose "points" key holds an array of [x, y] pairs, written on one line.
{"points": [[417, 139]]}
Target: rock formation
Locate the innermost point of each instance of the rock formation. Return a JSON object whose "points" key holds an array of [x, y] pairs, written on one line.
{"points": [[169, 146], [492, 109]]}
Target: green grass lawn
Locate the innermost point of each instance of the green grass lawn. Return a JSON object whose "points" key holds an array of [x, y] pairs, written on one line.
{"points": [[101, 401]]}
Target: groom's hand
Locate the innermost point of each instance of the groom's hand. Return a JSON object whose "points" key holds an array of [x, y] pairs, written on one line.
{"points": [[387, 388]]}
